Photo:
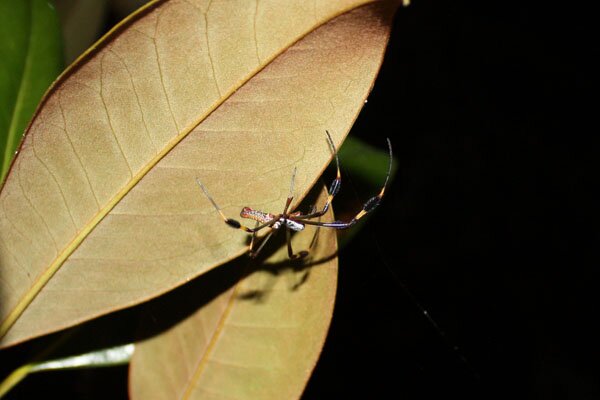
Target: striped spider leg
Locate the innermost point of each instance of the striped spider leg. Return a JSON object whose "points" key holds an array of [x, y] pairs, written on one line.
{"points": [[296, 220]]}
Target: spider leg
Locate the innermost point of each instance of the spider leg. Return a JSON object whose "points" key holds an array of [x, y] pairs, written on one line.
{"points": [[291, 255], [368, 207], [291, 195], [254, 253], [253, 238], [335, 186], [230, 221]]}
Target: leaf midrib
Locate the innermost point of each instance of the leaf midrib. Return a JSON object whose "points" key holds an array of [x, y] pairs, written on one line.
{"points": [[201, 366]]}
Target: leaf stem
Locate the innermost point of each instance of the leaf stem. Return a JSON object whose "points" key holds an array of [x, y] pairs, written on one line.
{"points": [[14, 378]]}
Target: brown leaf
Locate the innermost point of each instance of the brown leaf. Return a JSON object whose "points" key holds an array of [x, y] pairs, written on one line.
{"points": [[242, 346], [101, 211]]}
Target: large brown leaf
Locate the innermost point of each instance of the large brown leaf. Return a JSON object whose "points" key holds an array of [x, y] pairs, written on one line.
{"points": [[100, 210], [247, 347]]}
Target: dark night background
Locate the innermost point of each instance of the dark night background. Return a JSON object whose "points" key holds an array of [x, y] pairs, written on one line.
{"points": [[491, 223], [492, 220]]}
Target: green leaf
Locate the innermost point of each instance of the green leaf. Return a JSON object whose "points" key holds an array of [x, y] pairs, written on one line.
{"points": [[365, 162], [31, 54]]}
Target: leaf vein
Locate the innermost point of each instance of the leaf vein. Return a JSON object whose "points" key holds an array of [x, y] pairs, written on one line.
{"points": [[209, 54], [15, 227], [21, 267], [35, 209], [203, 360], [160, 72], [64, 129], [60, 190], [137, 98], [255, 33], [110, 124]]}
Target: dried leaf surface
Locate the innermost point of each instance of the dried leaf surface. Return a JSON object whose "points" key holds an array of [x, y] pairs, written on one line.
{"points": [[100, 210], [244, 347]]}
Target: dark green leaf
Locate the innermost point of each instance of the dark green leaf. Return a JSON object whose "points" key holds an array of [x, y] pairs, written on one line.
{"points": [[365, 162], [30, 50]]}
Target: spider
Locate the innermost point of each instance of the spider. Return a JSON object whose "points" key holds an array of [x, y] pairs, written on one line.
{"points": [[296, 220]]}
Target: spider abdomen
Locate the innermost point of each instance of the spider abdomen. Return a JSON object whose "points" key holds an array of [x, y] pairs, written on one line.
{"points": [[256, 215]]}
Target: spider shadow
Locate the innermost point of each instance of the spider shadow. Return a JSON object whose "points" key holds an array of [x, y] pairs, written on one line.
{"points": [[296, 271], [162, 313]]}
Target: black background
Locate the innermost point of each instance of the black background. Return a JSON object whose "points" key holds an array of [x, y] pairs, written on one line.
{"points": [[491, 223]]}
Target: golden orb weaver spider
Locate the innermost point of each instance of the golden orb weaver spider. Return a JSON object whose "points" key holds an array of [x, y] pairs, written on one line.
{"points": [[296, 220]]}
